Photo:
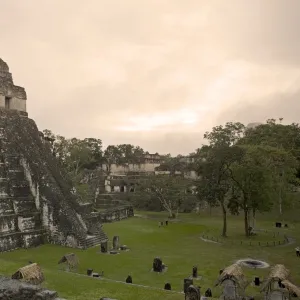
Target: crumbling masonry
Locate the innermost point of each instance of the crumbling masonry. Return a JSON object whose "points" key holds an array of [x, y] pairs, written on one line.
{"points": [[36, 202]]}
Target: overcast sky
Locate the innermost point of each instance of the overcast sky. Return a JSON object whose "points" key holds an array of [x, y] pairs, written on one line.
{"points": [[154, 73]]}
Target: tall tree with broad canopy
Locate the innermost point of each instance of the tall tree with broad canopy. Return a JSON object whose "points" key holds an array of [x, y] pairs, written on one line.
{"points": [[112, 155], [215, 183], [122, 154], [170, 190], [254, 182], [79, 156], [286, 138], [213, 165]]}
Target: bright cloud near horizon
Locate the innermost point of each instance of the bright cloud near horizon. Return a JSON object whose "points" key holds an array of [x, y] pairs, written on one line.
{"points": [[153, 73]]}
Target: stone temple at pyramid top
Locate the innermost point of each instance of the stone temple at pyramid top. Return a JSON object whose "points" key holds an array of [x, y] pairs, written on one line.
{"points": [[11, 96]]}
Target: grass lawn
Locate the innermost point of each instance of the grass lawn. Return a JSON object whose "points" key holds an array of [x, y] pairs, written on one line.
{"points": [[180, 247]]}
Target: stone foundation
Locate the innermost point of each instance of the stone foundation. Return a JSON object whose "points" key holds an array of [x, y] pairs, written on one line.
{"points": [[11, 289], [117, 214]]}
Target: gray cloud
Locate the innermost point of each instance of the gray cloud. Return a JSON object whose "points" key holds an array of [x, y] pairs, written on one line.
{"points": [[285, 105], [92, 70]]}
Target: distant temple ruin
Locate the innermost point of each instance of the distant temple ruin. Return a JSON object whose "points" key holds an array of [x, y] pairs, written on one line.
{"points": [[11, 96], [36, 202]]}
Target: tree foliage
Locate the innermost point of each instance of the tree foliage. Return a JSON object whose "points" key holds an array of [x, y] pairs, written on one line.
{"points": [[213, 165], [242, 169], [171, 191], [249, 170], [251, 183]]}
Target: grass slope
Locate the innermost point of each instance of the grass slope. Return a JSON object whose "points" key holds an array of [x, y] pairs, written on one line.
{"points": [[180, 247]]}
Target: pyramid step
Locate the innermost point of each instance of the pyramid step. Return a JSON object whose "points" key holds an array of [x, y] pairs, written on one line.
{"points": [[92, 241]]}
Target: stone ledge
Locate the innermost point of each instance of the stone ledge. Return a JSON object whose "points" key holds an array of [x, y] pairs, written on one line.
{"points": [[18, 233]]}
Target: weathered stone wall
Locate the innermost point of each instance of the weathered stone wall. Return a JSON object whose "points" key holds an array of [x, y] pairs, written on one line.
{"points": [[16, 95], [35, 197], [117, 214], [124, 169], [11, 289], [110, 215]]}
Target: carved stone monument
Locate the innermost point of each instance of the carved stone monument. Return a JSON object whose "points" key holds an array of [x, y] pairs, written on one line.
{"points": [[186, 283], [157, 265], [168, 286], [104, 247], [192, 293], [208, 293], [116, 241], [195, 272]]}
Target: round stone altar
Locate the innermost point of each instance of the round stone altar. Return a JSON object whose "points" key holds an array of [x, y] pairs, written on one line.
{"points": [[253, 263]]}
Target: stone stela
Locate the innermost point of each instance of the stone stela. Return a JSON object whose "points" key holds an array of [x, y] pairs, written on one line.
{"points": [[104, 247], [116, 241], [195, 272], [192, 293], [158, 265]]}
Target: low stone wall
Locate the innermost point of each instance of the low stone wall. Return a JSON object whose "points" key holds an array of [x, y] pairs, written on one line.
{"points": [[11, 289], [281, 240], [117, 214], [111, 215], [112, 200]]}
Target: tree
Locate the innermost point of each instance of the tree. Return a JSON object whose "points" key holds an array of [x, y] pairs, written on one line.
{"points": [[122, 155], [275, 135], [79, 156], [215, 183], [95, 148], [171, 191], [254, 181], [225, 135], [50, 137], [213, 164], [131, 154], [59, 146], [112, 155], [284, 170], [286, 138]]}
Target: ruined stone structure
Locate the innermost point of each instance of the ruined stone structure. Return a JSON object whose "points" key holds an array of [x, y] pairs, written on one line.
{"points": [[11, 289], [11, 96], [36, 202], [110, 200], [109, 215], [147, 165], [117, 214]]}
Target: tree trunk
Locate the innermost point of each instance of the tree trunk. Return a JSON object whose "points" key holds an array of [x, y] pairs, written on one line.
{"points": [[224, 231], [280, 195], [280, 202], [169, 210], [172, 215], [246, 222], [253, 218]]}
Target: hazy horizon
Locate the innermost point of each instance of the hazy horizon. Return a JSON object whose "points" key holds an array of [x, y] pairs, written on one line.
{"points": [[157, 73]]}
